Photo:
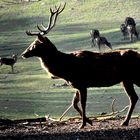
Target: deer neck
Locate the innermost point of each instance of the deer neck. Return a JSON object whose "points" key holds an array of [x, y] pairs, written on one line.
{"points": [[50, 61]]}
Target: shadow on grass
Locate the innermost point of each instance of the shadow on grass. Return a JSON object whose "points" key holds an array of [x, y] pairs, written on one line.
{"points": [[69, 34]]}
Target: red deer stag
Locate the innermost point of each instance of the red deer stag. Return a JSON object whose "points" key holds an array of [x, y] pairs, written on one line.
{"points": [[9, 61], [84, 69]]}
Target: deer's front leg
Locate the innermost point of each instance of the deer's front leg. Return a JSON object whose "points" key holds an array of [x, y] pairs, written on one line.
{"points": [[99, 45], [83, 99], [93, 42]]}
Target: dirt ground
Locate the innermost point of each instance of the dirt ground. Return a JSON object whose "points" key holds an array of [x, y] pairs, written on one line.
{"points": [[101, 130]]}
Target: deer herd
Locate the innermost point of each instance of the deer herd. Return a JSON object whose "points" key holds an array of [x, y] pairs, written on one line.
{"points": [[84, 69]]}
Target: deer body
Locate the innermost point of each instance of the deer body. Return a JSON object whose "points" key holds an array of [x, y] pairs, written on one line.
{"points": [[83, 69], [80, 68], [9, 61], [129, 28], [99, 40]]}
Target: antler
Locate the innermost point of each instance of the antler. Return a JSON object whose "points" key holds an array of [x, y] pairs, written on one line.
{"points": [[51, 24]]}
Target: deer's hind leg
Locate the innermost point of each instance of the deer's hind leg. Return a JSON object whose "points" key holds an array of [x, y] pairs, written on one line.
{"points": [[129, 88], [12, 67], [75, 102]]}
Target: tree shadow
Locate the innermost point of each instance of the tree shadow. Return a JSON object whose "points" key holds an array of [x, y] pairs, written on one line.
{"points": [[73, 37]]}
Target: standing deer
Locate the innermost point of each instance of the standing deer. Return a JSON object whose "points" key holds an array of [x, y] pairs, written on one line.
{"points": [[129, 28], [124, 32], [9, 61], [84, 69], [98, 40]]}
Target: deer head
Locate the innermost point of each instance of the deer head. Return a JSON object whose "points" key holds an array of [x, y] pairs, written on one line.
{"points": [[42, 44]]}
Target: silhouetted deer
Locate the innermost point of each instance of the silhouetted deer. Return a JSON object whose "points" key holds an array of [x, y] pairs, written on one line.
{"points": [[129, 28], [124, 32], [84, 69], [132, 32], [98, 40], [9, 61]]}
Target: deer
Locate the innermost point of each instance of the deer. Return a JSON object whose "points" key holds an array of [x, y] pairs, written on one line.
{"points": [[9, 61], [123, 30], [83, 69], [98, 40], [129, 28]]}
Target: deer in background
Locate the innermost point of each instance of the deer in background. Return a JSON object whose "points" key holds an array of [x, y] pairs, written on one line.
{"points": [[98, 40], [9, 61], [129, 28], [84, 69], [124, 32]]}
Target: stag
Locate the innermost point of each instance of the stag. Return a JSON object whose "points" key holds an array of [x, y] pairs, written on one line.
{"points": [[9, 61], [84, 69], [98, 40]]}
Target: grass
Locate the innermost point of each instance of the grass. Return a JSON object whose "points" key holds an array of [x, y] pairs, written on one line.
{"points": [[30, 91]]}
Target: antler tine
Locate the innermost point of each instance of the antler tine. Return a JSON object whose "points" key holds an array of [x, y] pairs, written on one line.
{"points": [[56, 13], [57, 9], [45, 29], [52, 18], [42, 27], [62, 8]]}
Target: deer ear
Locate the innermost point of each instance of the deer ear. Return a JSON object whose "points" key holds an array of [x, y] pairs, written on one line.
{"points": [[41, 38]]}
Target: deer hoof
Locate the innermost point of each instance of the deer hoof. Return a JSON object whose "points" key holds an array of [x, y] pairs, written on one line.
{"points": [[89, 121], [125, 123], [82, 126]]}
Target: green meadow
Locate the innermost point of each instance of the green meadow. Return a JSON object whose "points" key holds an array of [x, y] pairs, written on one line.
{"points": [[29, 92]]}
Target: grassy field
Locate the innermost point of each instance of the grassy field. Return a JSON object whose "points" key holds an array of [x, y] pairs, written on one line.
{"points": [[30, 91]]}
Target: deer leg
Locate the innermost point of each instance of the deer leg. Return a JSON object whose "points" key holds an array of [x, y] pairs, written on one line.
{"points": [[83, 98], [131, 36], [92, 43], [108, 44], [99, 46], [12, 68], [75, 102], [129, 88], [83, 95], [136, 34]]}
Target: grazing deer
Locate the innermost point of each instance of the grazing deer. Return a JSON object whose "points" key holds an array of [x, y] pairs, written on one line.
{"points": [[84, 69], [9, 61], [98, 40]]}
